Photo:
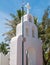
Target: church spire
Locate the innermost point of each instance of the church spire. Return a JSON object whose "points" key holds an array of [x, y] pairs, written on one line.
{"points": [[28, 7]]}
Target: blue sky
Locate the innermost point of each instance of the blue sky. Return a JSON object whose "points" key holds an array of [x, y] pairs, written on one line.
{"points": [[10, 6]]}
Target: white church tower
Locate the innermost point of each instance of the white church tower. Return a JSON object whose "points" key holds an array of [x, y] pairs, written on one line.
{"points": [[32, 44]]}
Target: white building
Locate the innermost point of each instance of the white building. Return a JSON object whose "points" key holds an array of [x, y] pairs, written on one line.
{"points": [[32, 44]]}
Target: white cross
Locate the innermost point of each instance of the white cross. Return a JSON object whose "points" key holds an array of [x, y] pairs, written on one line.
{"points": [[28, 7]]}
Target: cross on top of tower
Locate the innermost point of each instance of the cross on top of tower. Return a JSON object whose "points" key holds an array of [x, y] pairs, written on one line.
{"points": [[28, 7]]}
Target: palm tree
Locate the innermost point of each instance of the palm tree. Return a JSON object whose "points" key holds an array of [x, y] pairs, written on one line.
{"points": [[44, 33], [12, 24], [4, 48], [35, 21]]}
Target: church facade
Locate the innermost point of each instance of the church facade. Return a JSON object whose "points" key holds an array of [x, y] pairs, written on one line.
{"points": [[32, 44]]}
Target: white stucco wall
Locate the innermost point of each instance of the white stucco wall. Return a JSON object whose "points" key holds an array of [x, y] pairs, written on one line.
{"points": [[0, 58], [4, 59], [13, 51], [16, 50]]}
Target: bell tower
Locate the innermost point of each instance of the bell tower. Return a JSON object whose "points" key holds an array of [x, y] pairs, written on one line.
{"points": [[31, 53]]}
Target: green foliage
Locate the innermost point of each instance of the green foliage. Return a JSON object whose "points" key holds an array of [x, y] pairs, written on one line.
{"points": [[44, 33], [35, 21], [4, 48]]}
